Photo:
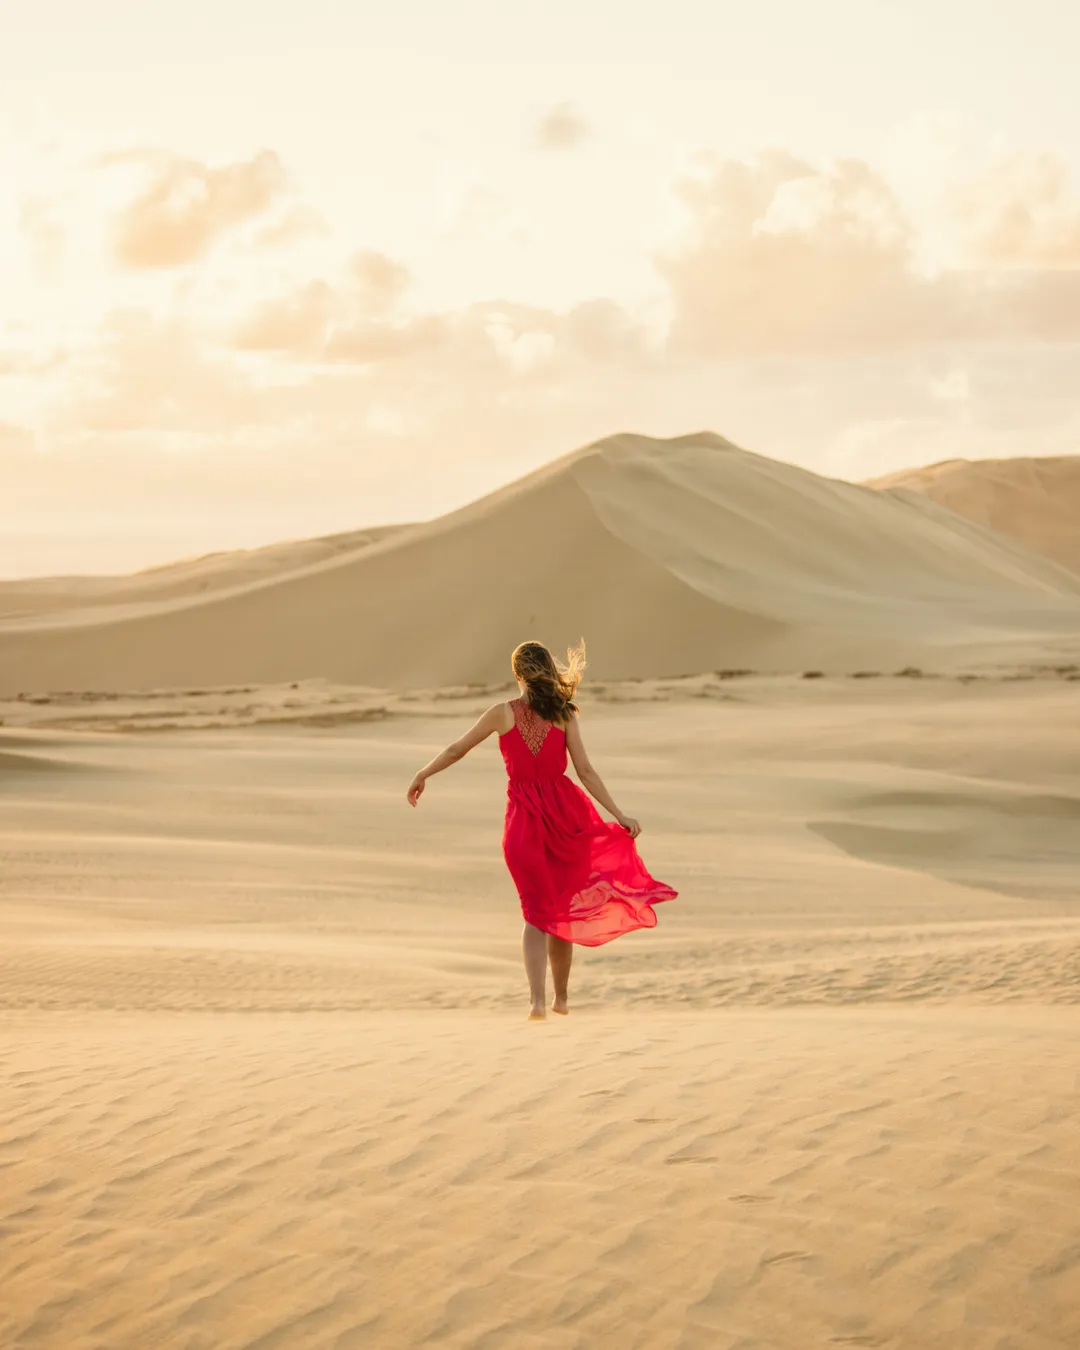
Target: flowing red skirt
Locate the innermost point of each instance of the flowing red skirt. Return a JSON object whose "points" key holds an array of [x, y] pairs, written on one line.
{"points": [[579, 877]]}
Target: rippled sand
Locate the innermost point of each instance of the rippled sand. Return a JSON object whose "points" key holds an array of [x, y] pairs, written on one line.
{"points": [[268, 1082]]}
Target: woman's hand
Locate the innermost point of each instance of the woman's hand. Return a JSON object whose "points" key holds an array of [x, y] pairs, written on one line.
{"points": [[415, 789], [630, 825]]}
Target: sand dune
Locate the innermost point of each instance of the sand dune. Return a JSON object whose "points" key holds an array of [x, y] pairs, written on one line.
{"points": [[1036, 502], [671, 556], [268, 1082], [191, 577]]}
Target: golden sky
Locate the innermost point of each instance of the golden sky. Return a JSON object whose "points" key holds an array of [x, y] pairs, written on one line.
{"points": [[280, 268]]}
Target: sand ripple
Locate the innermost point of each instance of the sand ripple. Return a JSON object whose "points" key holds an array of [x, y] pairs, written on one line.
{"points": [[698, 1180]]}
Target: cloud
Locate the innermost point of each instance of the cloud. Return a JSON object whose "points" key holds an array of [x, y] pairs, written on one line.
{"points": [[467, 206], [321, 359], [785, 259], [368, 342], [298, 323], [481, 344], [299, 222], [26, 362], [15, 439], [561, 128], [45, 232], [354, 319], [381, 282], [188, 206], [1021, 212], [160, 376]]}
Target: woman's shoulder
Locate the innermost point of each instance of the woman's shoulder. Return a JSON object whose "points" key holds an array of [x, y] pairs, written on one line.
{"points": [[503, 715]]}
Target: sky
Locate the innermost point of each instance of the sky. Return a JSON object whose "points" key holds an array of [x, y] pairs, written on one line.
{"points": [[274, 269]]}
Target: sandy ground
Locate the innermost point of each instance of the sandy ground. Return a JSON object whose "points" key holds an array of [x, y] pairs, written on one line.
{"points": [[268, 1082], [714, 1179]]}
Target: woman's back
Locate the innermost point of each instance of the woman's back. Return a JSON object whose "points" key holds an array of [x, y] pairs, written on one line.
{"points": [[534, 748]]}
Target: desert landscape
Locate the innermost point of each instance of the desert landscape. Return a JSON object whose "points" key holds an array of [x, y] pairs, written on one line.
{"points": [[267, 1075]]}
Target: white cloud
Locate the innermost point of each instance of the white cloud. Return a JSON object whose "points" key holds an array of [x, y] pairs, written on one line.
{"points": [[562, 127], [186, 206], [781, 258]]}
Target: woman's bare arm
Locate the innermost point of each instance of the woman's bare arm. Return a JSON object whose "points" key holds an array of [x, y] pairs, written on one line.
{"points": [[591, 780], [494, 719]]}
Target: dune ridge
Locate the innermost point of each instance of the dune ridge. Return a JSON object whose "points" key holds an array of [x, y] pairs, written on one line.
{"points": [[107, 596], [672, 556], [1035, 502]]}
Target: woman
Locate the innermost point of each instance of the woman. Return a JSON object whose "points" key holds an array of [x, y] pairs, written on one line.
{"points": [[579, 877]]}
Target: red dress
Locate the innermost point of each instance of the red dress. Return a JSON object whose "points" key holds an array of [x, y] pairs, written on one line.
{"points": [[579, 877]]}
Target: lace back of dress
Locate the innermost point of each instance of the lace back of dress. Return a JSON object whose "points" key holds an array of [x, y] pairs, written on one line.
{"points": [[532, 726]]}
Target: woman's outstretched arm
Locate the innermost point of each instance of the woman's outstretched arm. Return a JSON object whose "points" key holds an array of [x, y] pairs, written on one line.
{"points": [[493, 720], [591, 780]]}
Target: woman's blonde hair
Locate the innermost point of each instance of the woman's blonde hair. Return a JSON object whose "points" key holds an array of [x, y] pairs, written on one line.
{"points": [[549, 685]]}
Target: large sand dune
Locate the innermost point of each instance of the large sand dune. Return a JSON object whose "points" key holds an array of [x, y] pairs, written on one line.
{"points": [[671, 556], [1033, 501]]}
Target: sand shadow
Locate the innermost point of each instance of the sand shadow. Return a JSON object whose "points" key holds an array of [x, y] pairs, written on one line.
{"points": [[1023, 845]]}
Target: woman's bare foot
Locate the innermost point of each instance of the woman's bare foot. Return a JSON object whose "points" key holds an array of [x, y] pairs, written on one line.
{"points": [[537, 1014], [560, 956]]}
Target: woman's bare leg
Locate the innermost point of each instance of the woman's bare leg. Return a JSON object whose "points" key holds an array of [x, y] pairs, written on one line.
{"points": [[534, 950], [560, 954]]}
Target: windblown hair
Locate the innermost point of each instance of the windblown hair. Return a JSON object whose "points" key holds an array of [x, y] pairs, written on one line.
{"points": [[549, 685]]}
